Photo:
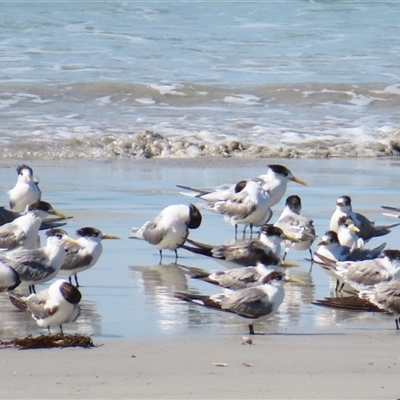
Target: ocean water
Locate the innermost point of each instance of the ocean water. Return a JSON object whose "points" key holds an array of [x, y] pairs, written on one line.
{"points": [[175, 79], [128, 294]]}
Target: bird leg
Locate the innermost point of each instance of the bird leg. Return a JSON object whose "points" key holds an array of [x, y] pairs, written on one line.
{"points": [[176, 255], [32, 289], [235, 231], [160, 262], [61, 330], [251, 330], [76, 280], [397, 323]]}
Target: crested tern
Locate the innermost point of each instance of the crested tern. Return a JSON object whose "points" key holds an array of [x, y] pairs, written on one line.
{"points": [[23, 232], [249, 204], [382, 297], [359, 274], [347, 233], [245, 253], [367, 228], [254, 304], [237, 278], [295, 225], [36, 266], [54, 306], [170, 228], [26, 191], [330, 248], [274, 181], [86, 254], [51, 218]]}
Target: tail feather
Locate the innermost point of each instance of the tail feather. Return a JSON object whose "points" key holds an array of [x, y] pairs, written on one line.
{"points": [[197, 192], [353, 303], [202, 300], [193, 272], [198, 250], [19, 301]]}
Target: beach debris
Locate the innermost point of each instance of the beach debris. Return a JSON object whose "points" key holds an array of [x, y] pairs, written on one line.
{"points": [[247, 340], [48, 341], [218, 364], [248, 364]]}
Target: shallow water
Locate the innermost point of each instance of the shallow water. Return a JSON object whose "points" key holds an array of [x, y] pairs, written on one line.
{"points": [[128, 294], [265, 79]]}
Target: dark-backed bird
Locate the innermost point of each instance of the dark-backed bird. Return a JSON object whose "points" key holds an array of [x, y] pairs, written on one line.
{"points": [[170, 228], [244, 253], [54, 306]]}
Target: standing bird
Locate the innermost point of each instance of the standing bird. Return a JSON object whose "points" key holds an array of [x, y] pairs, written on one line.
{"points": [[382, 297], [359, 274], [330, 248], [54, 306], [23, 232], [35, 266], [245, 253], [254, 304], [293, 224], [248, 205], [274, 182], [170, 228], [234, 279], [26, 191], [84, 255], [367, 228]]}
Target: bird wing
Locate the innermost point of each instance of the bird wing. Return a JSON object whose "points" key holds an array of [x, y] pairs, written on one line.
{"points": [[40, 307], [248, 303], [154, 233], [11, 237]]}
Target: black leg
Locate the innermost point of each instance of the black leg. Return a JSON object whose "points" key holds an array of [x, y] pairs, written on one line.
{"points": [[235, 231], [176, 255], [397, 323], [62, 333], [251, 330], [160, 251], [70, 279], [76, 280]]}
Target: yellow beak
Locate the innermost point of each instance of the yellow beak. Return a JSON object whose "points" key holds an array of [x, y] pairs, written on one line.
{"points": [[294, 280], [298, 180], [107, 236]]}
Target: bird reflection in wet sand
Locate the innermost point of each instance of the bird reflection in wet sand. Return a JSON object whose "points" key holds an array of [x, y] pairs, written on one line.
{"points": [[158, 282]]}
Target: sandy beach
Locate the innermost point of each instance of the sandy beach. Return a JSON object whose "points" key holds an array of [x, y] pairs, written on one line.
{"points": [[150, 345], [338, 365]]}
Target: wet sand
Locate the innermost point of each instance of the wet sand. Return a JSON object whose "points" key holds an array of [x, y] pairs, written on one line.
{"points": [[127, 307]]}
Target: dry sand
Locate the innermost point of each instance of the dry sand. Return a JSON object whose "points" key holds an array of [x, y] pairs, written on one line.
{"points": [[336, 365]]}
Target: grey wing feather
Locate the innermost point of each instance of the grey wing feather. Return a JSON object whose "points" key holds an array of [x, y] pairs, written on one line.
{"points": [[248, 303]]}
